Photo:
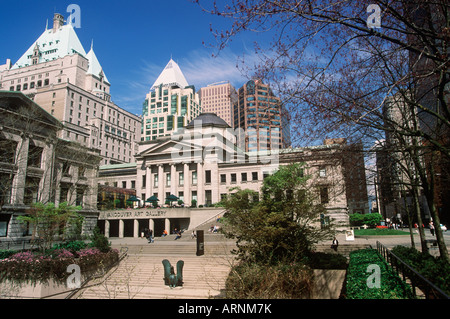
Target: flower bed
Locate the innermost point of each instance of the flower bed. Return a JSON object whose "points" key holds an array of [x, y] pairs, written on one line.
{"points": [[31, 267]]}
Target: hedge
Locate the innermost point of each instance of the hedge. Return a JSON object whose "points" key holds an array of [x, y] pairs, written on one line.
{"points": [[358, 272]]}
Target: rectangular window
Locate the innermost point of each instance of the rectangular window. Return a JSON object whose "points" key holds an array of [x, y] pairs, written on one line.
{"points": [[233, 178], [244, 177], [168, 179], [181, 179], [324, 195], [223, 178], [155, 180], [194, 178], [254, 176], [208, 177], [322, 171]]}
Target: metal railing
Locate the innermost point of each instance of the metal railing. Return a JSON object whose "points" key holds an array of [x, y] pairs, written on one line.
{"points": [[402, 269]]}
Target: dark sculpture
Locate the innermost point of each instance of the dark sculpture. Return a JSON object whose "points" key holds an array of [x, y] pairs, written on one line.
{"points": [[170, 278]]}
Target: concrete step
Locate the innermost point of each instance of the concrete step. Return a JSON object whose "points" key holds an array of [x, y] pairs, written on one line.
{"points": [[141, 276], [343, 249], [176, 247]]}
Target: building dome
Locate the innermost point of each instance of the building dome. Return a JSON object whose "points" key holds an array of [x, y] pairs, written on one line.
{"points": [[208, 119]]}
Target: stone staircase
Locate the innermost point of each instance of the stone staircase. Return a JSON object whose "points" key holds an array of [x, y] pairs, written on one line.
{"points": [[140, 274], [141, 277]]}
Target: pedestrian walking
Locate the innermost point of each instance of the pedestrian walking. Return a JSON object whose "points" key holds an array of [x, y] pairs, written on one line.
{"points": [[431, 228], [150, 236]]}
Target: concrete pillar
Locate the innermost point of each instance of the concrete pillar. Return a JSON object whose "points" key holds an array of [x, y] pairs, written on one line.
{"points": [[167, 225], [151, 225], [57, 184], [161, 195], [18, 183], [173, 179], [136, 229], [200, 185], [121, 226], [215, 197], [107, 226], [149, 187], [187, 182], [45, 186]]}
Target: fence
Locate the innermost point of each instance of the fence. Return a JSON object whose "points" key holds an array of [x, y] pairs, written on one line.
{"points": [[416, 279]]}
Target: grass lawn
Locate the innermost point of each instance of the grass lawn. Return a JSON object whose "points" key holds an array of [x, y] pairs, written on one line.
{"points": [[379, 232]]}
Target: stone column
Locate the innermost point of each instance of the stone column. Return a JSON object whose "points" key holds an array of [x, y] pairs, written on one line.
{"points": [[215, 197], [18, 183], [121, 225], [187, 182], [161, 195], [173, 179], [149, 187], [46, 185], [151, 225], [59, 169], [200, 185], [136, 229], [107, 226], [167, 225]]}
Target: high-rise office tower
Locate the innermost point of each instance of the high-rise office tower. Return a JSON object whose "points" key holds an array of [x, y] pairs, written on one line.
{"points": [[170, 105], [70, 84], [219, 98], [263, 118]]}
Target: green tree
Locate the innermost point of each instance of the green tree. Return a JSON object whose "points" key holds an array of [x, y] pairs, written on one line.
{"points": [[283, 225], [48, 221]]}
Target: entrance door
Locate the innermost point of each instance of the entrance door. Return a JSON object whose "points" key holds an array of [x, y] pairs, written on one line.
{"points": [[128, 228], [159, 224], [113, 228]]}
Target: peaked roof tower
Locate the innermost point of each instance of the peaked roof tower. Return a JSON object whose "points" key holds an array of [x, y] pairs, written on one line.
{"points": [[171, 76], [54, 43], [94, 65]]}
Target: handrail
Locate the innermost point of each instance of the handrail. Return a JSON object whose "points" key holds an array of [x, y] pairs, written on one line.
{"points": [[430, 290]]}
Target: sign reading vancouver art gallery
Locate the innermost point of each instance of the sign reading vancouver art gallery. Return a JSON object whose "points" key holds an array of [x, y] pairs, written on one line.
{"points": [[124, 214]]}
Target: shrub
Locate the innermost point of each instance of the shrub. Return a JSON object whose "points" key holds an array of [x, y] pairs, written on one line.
{"points": [[434, 269], [6, 253], [257, 281], [100, 241], [72, 246], [391, 286], [371, 220]]}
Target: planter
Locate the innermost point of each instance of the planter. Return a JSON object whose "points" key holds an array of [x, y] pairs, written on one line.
{"points": [[13, 290], [328, 283]]}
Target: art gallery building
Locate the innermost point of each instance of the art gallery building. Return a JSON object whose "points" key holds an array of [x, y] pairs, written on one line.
{"points": [[202, 163]]}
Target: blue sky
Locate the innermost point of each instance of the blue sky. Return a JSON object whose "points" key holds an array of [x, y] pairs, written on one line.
{"points": [[133, 41]]}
